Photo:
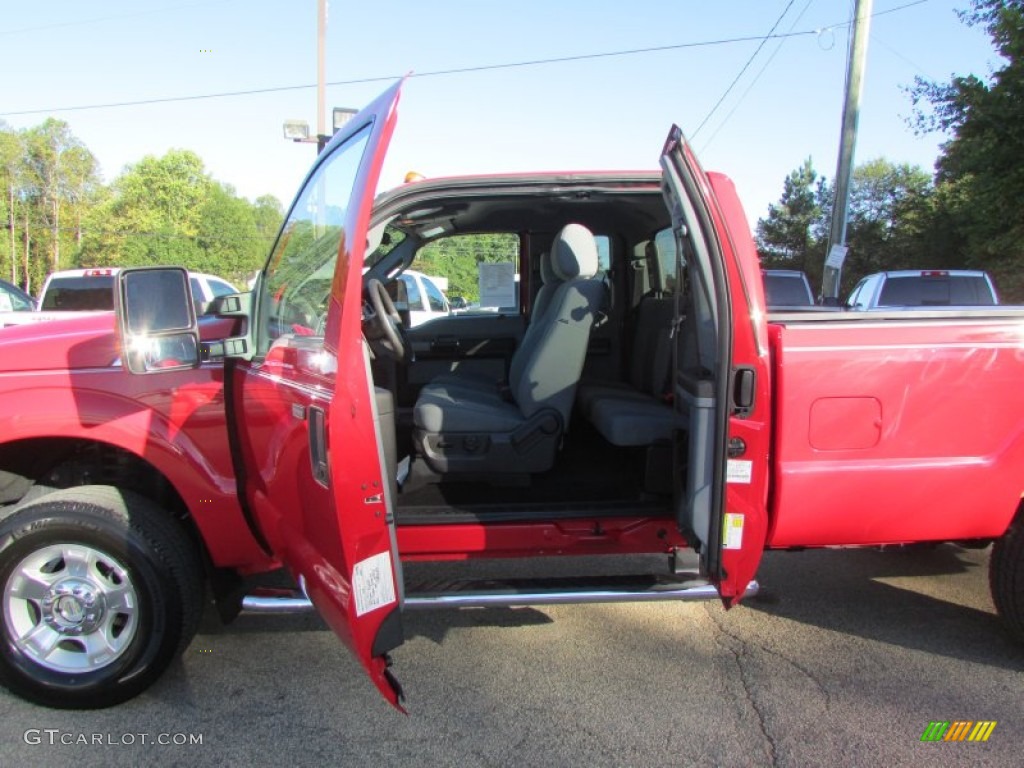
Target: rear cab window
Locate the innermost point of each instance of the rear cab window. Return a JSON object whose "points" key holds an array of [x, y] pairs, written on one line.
{"points": [[80, 293], [935, 290], [787, 291]]}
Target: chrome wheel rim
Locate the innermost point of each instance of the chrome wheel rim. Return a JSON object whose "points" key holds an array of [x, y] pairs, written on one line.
{"points": [[71, 608]]}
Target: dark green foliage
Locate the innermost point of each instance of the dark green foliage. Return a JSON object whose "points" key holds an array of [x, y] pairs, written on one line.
{"points": [[970, 217], [167, 210], [889, 218], [980, 173], [790, 237]]}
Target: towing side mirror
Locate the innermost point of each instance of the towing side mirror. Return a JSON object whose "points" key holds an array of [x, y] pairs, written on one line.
{"points": [[156, 320]]}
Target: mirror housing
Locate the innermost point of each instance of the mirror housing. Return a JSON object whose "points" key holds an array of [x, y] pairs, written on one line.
{"points": [[156, 320]]}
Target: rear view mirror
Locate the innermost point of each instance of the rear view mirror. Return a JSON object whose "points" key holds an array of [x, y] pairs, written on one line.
{"points": [[156, 320]]}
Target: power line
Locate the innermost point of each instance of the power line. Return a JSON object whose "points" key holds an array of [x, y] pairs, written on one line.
{"points": [[782, 39], [756, 78], [444, 72], [389, 78], [736, 79]]}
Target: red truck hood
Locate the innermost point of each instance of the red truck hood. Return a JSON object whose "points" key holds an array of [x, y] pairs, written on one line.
{"points": [[79, 342]]}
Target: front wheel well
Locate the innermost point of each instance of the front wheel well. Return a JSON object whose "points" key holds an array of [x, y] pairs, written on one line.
{"points": [[31, 467]]}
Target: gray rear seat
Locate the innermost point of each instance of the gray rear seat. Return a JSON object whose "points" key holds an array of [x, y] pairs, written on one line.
{"points": [[637, 412]]}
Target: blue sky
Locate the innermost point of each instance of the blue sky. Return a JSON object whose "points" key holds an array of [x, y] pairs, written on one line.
{"points": [[611, 112]]}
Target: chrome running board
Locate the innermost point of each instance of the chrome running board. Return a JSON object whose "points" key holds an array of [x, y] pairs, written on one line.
{"points": [[527, 592]]}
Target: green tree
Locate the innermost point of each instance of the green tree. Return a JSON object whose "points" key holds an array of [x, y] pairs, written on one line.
{"points": [[980, 173], [888, 219], [153, 215], [63, 173], [891, 222], [229, 240], [11, 158], [268, 214], [790, 236]]}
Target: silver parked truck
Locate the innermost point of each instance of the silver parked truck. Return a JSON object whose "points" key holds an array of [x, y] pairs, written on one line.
{"points": [[923, 288]]}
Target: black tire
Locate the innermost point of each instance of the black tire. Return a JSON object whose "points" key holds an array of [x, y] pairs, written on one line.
{"points": [[1006, 577], [99, 592]]}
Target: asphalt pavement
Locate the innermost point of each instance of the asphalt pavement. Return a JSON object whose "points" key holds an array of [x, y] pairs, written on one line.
{"points": [[843, 660]]}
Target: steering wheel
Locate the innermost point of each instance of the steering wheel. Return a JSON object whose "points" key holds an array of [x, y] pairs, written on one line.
{"points": [[384, 321]]}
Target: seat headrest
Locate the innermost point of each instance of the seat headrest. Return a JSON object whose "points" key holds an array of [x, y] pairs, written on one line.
{"points": [[574, 253]]}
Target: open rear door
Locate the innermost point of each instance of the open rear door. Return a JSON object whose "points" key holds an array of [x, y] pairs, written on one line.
{"points": [[308, 422], [721, 384]]}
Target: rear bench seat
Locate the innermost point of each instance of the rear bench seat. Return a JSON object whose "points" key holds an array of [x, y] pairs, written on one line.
{"points": [[638, 412]]}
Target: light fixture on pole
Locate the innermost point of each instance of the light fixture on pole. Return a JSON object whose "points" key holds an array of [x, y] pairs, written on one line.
{"points": [[342, 115], [296, 130]]}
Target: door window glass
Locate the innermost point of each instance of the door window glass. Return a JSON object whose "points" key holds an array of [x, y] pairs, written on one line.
{"points": [[667, 264], [604, 252], [300, 271], [481, 270]]}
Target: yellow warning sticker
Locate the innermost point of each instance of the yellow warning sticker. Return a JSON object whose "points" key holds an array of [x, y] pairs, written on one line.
{"points": [[732, 536]]}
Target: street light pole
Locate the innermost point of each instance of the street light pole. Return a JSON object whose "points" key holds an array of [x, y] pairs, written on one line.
{"points": [[848, 139], [298, 130], [321, 44]]}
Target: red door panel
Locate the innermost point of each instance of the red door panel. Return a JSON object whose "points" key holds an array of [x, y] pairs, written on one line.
{"points": [[305, 410]]}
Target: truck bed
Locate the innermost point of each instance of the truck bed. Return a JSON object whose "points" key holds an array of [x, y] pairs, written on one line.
{"points": [[896, 427]]}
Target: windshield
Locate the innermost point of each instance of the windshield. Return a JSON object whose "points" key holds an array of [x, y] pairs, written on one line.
{"points": [[382, 241], [13, 299]]}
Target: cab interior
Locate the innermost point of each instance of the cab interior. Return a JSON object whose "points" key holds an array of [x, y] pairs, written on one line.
{"points": [[555, 402]]}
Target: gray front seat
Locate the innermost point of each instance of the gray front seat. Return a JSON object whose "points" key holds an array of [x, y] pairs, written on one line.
{"points": [[476, 427]]}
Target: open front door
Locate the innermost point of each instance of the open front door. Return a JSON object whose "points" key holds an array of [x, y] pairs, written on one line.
{"points": [[307, 420], [721, 384]]}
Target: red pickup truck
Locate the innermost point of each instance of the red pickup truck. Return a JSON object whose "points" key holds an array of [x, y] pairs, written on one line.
{"points": [[617, 388]]}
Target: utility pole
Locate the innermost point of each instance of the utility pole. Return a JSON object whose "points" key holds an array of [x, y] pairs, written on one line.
{"points": [[321, 45], [848, 138]]}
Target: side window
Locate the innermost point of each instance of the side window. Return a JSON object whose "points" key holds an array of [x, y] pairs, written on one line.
{"points": [[604, 252], [857, 294], [412, 292], [666, 262], [220, 288], [481, 270], [435, 300], [300, 271], [197, 289]]}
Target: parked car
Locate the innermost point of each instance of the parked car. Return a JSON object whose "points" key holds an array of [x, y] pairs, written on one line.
{"points": [[13, 299], [74, 291], [419, 298], [206, 288], [787, 289], [923, 288]]}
